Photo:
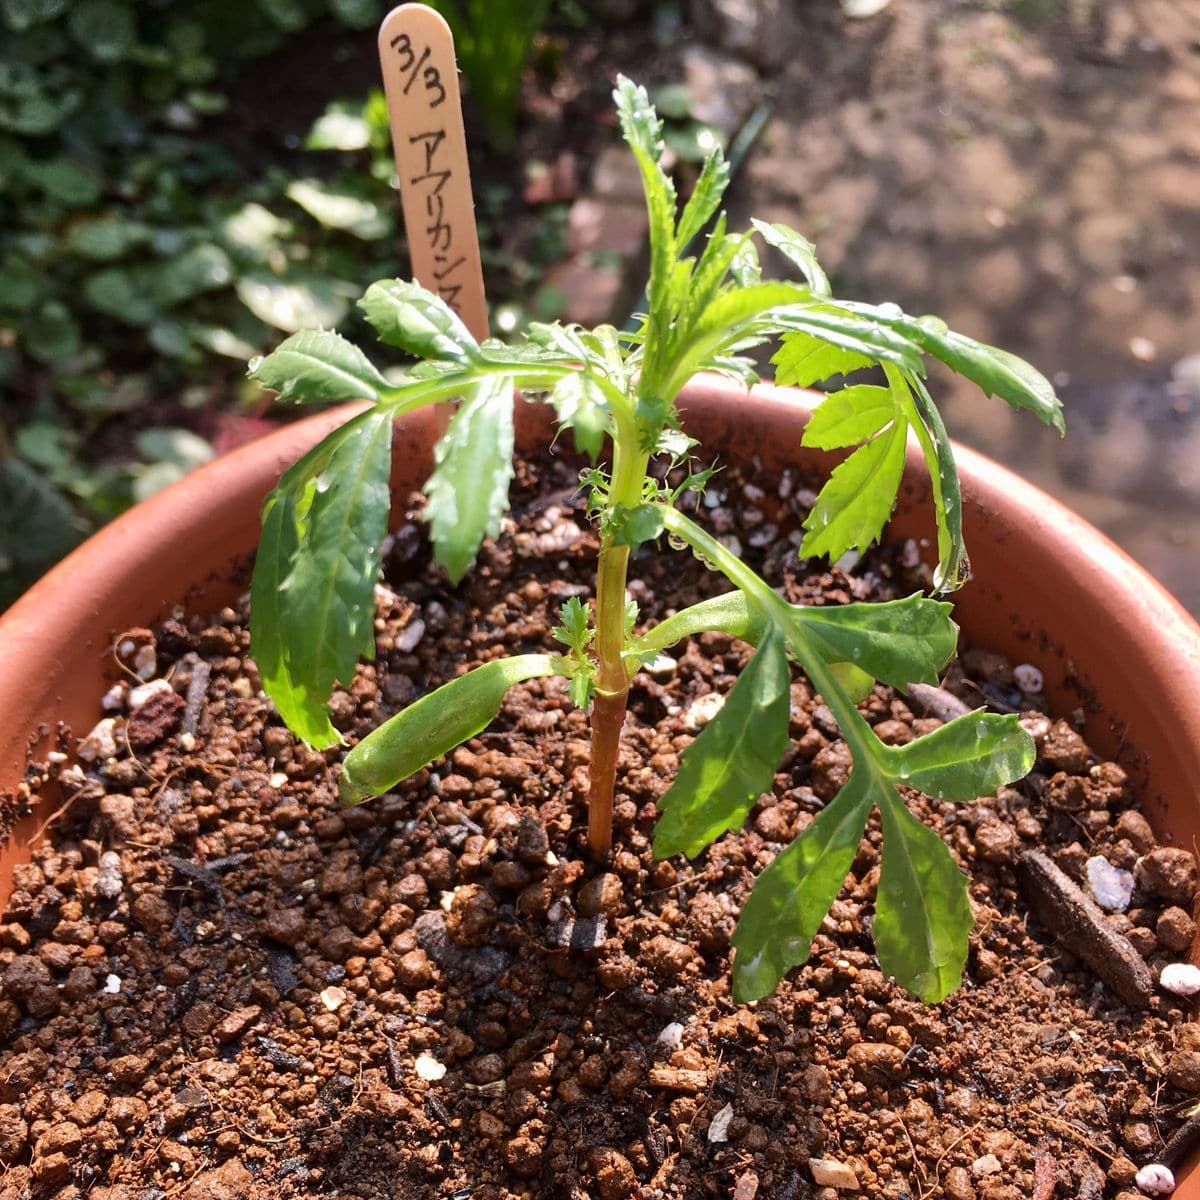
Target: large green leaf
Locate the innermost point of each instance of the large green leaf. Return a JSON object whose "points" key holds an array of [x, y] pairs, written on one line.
{"points": [[896, 641], [407, 315], [857, 499], [324, 611], [434, 725], [922, 911], [849, 416], [468, 490], [792, 896], [733, 760], [798, 250], [284, 523], [317, 366], [996, 371], [969, 757], [295, 301]]}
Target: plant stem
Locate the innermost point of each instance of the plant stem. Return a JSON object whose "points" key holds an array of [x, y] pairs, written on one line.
{"points": [[854, 727], [612, 676]]}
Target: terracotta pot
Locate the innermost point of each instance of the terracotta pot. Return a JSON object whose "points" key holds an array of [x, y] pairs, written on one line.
{"points": [[1048, 589]]}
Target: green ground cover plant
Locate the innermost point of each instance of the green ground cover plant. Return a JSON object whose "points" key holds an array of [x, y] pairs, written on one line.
{"points": [[323, 526]]}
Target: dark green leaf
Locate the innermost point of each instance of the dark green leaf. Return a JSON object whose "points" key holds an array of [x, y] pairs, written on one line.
{"points": [[857, 499], [105, 239], [105, 29], [405, 314], [792, 896], [316, 366], [580, 404], [970, 757], [433, 726], [922, 912], [468, 490], [733, 760], [47, 528], [849, 416], [798, 250]]}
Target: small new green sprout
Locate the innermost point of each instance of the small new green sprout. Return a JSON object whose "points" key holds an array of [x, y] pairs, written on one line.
{"points": [[312, 596]]}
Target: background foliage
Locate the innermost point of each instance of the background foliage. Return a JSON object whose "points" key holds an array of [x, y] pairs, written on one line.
{"points": [[146, 253]]}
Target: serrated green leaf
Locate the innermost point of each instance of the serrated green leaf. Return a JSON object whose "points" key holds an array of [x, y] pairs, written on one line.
{"points": [[643, 133], [733, 760], [468, 490], [433, 726], [574, 629], [407, 315], [326, 608], [581, 406], [803, 360], [317, 366], [284, 520], [849, 416], [582, 687], [969, 757], [705, 197], [922, 911], [792, 896], [855, 503], [796, 249], [996, 371]]}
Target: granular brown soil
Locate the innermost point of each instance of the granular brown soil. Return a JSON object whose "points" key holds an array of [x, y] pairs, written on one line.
{"points": [[216, 984]]}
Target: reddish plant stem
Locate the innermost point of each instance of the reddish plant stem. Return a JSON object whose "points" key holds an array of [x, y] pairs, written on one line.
{"points": [[608, 715]]}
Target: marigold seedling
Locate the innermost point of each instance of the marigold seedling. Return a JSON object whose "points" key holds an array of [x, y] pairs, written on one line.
{"points": [[313, 589]]}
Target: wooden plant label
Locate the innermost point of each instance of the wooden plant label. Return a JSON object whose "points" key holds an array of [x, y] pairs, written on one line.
{"points": [[420, 79]]}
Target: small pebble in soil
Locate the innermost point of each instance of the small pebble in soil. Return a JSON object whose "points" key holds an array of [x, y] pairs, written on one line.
{"points": [[334, 997], [429, 1069], [1155, 1180], [101, 741], [1181, 978], [718, 1127], [1028, 678], [112, 984], [1112, 887], [671, 1037], [701, 711], [828, 1172]]}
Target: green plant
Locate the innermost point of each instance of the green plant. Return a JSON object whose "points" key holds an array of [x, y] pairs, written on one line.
{"points": [[311, 600], [492, 42]]}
